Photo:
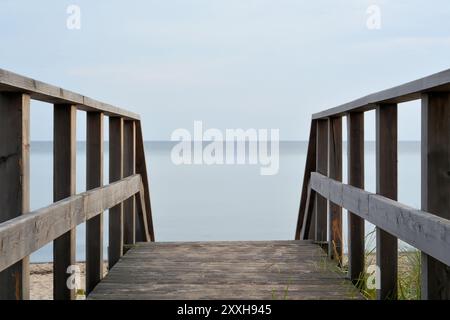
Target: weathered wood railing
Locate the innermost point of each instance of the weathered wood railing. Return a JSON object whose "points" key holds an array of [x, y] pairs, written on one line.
{"points": [[323, 193], [23, 232]]}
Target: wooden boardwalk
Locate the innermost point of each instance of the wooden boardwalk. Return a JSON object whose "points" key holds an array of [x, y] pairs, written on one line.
{"points": [[225, 270]]}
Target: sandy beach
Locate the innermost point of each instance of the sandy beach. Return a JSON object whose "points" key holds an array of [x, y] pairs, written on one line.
{"points": [[41, 280]]}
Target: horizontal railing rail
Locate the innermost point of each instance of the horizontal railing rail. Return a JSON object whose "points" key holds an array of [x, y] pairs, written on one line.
{"points": [[323, 195], [38, 90], [21, 236], [422, 230], [439, 82]]}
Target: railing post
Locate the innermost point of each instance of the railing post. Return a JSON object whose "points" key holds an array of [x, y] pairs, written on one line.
{"points": [[140, 209], [141, 168], [128, 170], [115, 249], [310, 166], [94, 179], [386, 184], [14, 182], [335, 248], [64, 180], [355, 162], [435, 184], [321, 167]]}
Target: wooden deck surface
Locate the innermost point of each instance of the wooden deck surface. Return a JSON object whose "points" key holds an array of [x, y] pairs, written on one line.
{"points": [[225, 270]]}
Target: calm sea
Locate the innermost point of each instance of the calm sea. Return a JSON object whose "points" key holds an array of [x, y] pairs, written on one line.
{"points": [[219, 202]]}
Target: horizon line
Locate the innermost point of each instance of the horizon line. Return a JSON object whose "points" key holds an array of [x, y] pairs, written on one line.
{"points": [[285, 140]]}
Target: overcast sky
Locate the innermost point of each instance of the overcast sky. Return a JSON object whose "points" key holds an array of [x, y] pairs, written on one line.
{"points": [[230, 63]]}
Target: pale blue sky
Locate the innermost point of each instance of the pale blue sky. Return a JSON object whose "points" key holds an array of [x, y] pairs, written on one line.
{"points": [[229, 63]]}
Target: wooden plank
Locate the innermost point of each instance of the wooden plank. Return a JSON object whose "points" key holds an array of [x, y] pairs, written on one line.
{"points": [[94, 179], [12, 82], [386, 181], [422, 230], [321, 167], [403, 93], [355, 156], [355, 201], [310, 166], [64, 180], [14, 183], [335, 247], [23, 235], [436, 184], [115, 249], [129, 214], [225, 270], [141, 168], [236, 291]]}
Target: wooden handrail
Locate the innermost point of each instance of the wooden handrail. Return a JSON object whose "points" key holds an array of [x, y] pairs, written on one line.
{"points": [[37, 90], [434, 93], [423, 230], [126, 158], [438, 82], [25, 234]]}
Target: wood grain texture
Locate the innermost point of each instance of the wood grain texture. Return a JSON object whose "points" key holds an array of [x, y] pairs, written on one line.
{"points": [[115, 248], [321, 205], [64, 180], [335, 246], [14, 183], [12, 82], [23, 235], [225, 270], [94, 179], [129, 168], [355, 162], [386, 184], [403, 93], [310, 166], [436, 185], [422, 230]]}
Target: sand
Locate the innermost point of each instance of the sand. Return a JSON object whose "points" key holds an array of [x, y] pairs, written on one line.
{"points": [[41, 281]]}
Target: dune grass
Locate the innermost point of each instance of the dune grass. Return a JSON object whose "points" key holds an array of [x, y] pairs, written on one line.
{"points": [[409, 272]]}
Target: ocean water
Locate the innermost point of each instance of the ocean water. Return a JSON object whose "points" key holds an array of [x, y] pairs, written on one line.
{"points": [[219, 202]]}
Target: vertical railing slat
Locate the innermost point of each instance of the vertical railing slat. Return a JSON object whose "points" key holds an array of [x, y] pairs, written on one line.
{"points": [[94, 179], [335, 248], [386, 185], [435, 184], [355, 162], [129, 207], [310, 166], [321, 167], [14, 183], [64, 183], [141, 168], [115, 249]]}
